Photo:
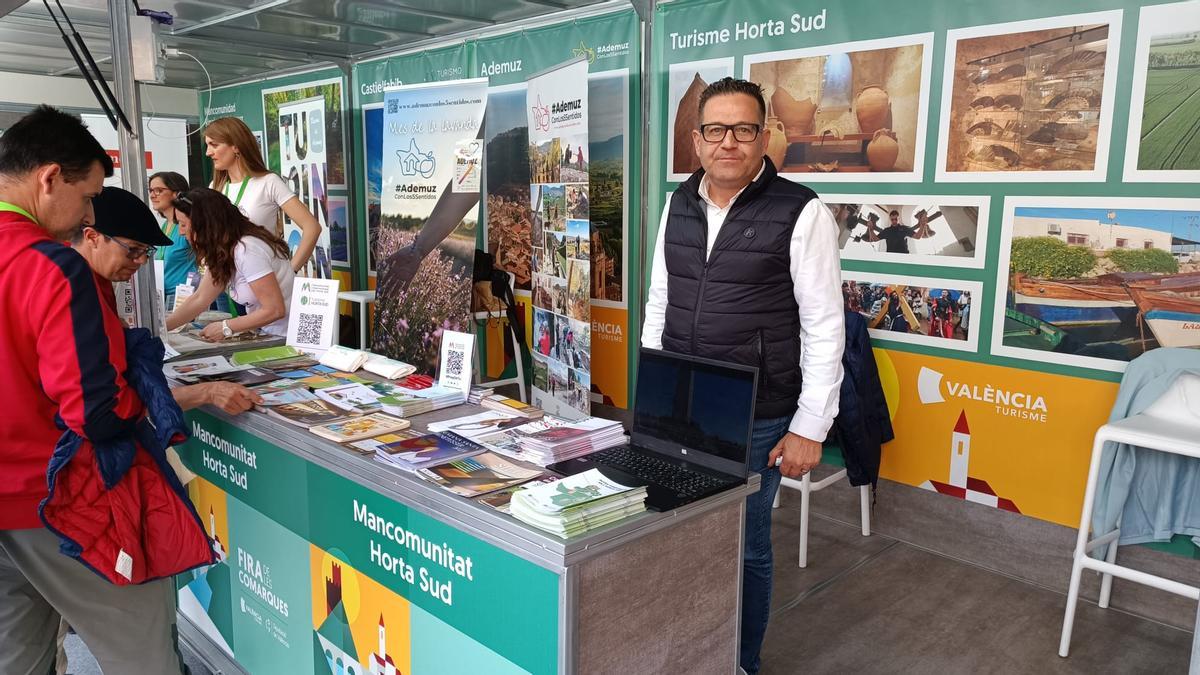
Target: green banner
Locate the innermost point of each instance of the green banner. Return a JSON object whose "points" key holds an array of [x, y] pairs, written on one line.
{"points": [[261, 475], [317, 573], [501, 601]]}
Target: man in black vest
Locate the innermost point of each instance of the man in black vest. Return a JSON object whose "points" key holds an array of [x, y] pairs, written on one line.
{"points": [[746, 270]]}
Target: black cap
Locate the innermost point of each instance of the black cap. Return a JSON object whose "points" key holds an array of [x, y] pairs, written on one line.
{"points": [[120, 213]]}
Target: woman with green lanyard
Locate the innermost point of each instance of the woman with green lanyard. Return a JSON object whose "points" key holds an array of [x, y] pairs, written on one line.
{"points": [[241, 175], [178, 261]]}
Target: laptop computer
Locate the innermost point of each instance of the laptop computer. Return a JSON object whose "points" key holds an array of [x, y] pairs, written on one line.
{"points": [[692, 420]]}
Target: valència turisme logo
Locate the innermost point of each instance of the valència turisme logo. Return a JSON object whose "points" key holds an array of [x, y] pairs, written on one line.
{"points": [[1018, 404], [414, 162]]}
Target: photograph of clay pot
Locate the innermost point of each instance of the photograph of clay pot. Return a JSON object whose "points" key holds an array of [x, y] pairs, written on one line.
{"points": [[883, 150], [873, 109], [777, 145], [687, 117], [686, 81], [833, 99], [797, 116]]}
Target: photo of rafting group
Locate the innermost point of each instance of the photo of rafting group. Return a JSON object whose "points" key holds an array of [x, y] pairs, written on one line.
{"points": [[1099, 281]]}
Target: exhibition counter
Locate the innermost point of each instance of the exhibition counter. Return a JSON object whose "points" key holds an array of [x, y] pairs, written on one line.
{"points": [[383, 572]]}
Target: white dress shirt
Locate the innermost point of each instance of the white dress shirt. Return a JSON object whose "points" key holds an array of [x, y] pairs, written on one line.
{"points": [[817, 279]]}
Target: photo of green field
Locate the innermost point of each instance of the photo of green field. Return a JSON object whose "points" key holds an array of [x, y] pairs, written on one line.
{"points": [[1170, 138]]}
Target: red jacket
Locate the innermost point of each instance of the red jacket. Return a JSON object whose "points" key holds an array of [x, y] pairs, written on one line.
{"points": [[62, 356]]}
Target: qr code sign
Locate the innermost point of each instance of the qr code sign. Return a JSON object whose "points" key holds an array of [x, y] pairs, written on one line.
{"points": [[393, 106], [308, 330], [454, 362]]}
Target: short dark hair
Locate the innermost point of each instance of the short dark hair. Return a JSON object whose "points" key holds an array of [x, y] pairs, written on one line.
{"points": [[894, 212], [732, 85], [50, 136], [173, 181]]}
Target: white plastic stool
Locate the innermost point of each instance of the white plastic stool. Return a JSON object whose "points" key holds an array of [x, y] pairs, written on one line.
{"points": [[519, 380], [1170, 424], [806, 487], [362, 299]]}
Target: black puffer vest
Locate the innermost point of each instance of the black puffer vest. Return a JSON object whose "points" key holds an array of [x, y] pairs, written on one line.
{"points": [[739, 305]]}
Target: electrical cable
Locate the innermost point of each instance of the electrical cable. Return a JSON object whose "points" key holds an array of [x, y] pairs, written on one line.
{"points": [[171, 51]]}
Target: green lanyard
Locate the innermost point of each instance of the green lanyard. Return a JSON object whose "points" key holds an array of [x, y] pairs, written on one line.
{"points": [[13, 208], [241, 191]]}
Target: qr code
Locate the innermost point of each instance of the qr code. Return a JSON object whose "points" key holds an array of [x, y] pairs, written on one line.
{"points": [[393, 106], [454, 362], [308, 331]]}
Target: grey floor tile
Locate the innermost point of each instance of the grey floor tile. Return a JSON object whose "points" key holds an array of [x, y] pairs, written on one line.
{"points": [[833, 549], [911, 611]]}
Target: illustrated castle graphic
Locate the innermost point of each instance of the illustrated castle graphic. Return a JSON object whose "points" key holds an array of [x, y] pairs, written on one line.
{"points": [[333, 589], [961, 484], [217, 546]]}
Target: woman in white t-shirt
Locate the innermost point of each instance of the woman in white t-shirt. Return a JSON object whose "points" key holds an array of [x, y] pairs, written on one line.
{"points": [[248, 261], [241, 175]]}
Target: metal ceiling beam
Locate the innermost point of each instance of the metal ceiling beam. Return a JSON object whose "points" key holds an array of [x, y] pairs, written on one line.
{"points": [[337, 23], [548, 3], [389, 50], [434, 13], [73, 68], [312, 45], [230, 16], [377, 27], [203, 41]]}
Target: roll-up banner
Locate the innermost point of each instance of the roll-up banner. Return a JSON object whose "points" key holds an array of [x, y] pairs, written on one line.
{"points": [[425, 244], [557, 109]]}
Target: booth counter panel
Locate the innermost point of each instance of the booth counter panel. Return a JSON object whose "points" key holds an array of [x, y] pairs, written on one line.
{"points": [[335, 563], [312, 557]]}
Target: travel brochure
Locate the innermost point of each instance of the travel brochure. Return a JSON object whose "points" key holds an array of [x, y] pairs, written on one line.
{"points": [[413, 453], [358, 428], [577, 504], [480, 474], [496, 454]]}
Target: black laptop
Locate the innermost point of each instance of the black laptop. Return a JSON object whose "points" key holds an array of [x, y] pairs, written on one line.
{"points": [[692, 420]]}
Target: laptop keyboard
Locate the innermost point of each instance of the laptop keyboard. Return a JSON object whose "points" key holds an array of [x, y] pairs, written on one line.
{"points": [[658, 471]]}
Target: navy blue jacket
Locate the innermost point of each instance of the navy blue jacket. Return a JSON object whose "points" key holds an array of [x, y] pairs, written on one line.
{"points": [[863, 424]]}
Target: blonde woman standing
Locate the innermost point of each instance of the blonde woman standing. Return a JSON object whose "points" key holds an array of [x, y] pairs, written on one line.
{"points": [[241, 175]]}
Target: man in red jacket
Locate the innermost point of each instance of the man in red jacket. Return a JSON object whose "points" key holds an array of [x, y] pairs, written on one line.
{"points": [[62, 359]]}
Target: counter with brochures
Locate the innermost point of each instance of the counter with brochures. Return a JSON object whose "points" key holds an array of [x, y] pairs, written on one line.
{"points": [[334, 562]]}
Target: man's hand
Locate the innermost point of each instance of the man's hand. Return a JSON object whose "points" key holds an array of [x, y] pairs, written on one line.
{"points": [[800, 455], [230, 397], [398, 270]]}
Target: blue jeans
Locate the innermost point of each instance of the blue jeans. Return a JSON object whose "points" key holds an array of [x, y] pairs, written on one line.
{"points": [[757, 559]]}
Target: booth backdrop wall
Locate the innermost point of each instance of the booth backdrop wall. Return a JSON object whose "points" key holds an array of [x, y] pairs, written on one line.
{"points": [[1056, 141]]}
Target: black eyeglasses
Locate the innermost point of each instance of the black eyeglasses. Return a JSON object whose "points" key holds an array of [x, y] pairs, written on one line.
{"points": [[742, 133], [134, 252]]}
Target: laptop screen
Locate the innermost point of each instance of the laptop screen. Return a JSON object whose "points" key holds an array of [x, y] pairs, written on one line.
{"points": [[693, 404]]}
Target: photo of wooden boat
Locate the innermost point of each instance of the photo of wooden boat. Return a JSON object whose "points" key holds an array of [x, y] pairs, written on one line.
{"points": [[1073, 301], [1173, 316]]}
